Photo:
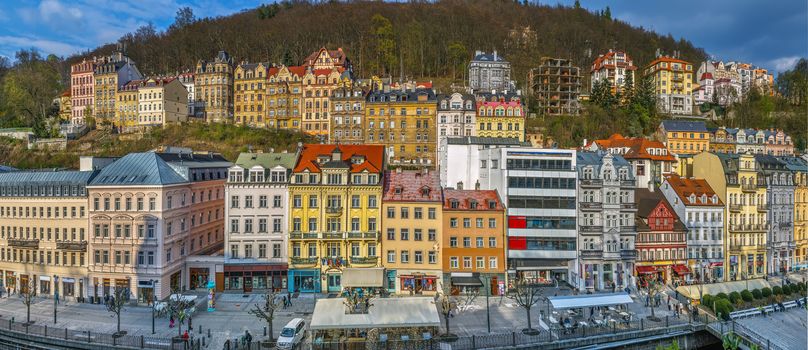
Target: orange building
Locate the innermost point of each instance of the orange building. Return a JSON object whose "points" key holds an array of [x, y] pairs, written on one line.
{"points": [[473, 240]]}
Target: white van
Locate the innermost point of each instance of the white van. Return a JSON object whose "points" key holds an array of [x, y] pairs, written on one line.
{"points": [[292, 334]]}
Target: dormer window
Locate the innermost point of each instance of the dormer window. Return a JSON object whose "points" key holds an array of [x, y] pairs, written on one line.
{"points": [[454, 204], [323, 159], [692, 198], [704, 198], [425, 191], [492, 204], [473, 204], [357, 159], [399, 189], [715, 199]]}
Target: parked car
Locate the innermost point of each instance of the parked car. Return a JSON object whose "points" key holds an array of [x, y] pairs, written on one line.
{"points": [[292, 334]]}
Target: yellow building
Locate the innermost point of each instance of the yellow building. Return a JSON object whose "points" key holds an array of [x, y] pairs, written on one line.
{"points": [[44, 231], [799, 169], [126, 109], [404, 122], [411, 231], [734, 178], [347, 113], [335, 214], [283, 97], [318, 84], [249, 92], [110, 75], [161, 101], [65, 107], [213, 84], [684, 137], [672, 79], [500, 116]]}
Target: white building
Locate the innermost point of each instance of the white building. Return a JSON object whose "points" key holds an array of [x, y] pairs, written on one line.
{"points": [[256, 220], [702, 211], [459, 158], [489, 71], [456, 117]]}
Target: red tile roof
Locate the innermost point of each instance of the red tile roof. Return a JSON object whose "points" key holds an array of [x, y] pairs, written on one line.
{"points": [[337, 54], [373, 156], [412, 186], [638, 147], [684, 187], [464, 199], [600, 61]]}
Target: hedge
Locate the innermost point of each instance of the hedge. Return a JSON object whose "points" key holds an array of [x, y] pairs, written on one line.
{"points": [[724, 307], [776, 290], [707, 300], [757, 294], [767, 292], [722, 296], [747, 296], [734, 297], [786, 289]]}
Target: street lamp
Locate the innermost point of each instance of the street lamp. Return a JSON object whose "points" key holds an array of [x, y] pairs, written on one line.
{"points": [[55, 295], [152, 306], [487, 306]]}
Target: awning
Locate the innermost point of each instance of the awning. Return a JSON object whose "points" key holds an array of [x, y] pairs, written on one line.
{"points": [[645, 269], [694, 291], [717, 264], [467, 281], [384, 313], [681, 269], [589, 300], [363, 278]]}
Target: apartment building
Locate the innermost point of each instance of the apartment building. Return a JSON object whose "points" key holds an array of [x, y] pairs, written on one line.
{"points": [[347, 114], [606, 228], [684, 137], [412, 231], [161, 101], [556, 85], [284, 97], [649, 159], [456, 117], [780, 190], [44, 233], [673, 84], [661, 240], [702, 212], [317, 87], [256, 231], [799, 172], [213, 82], [489, 71], [614, 68], [249, 93], [82, 90], [473, 243], [403, 121], [110, 75], [500, 115], [128, 106]]}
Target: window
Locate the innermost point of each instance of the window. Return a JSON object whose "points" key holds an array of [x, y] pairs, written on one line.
{"points": [[433, 257], [492, 262], [355, 201], [453, 242], [479, 222], [466, 222], [234, 251], [297, 201], [492, 242], [248, 251], [419, 257], [276, 202], [276, 250], [372, 201], [355, 249], [405, 234], [371, 249], [276, 225], [262, 225], [418, 213], [466, 262], [152, 204], [296, 250], [453, 222], [405, 256], [312, 225], [453, 262], [492, 223], [313, 201], [480, 242], [262, 251], [262, 201], [418, 236], [233, 225], [480, 262], [391, 212], [431, 213]]}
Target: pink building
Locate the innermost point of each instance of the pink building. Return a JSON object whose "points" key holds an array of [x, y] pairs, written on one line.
{"points": [[82, 82]]}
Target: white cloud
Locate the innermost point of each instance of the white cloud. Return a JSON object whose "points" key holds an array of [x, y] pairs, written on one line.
{"points": [[783, 64], [51, 10], [46, 47]]}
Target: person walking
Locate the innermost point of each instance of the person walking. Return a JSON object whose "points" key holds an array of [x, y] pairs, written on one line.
{"points": [[171, 322], [248, 338], [289, 297], [284, 302], [185, 338]]}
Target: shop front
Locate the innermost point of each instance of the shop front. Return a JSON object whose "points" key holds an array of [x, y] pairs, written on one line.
{"points": [[175, 281], [681, 273], [463, 282], [303, 281], [247, 278], [44, 285], [11, 281], [418, 283], [658, 273], [199, 277], [145, 291]]}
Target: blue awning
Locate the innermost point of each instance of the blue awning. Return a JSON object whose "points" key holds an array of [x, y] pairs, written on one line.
{"points": [[589, 300]]}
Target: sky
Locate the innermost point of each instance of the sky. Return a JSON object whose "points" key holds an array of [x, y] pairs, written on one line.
{"points": [[772, 34]]}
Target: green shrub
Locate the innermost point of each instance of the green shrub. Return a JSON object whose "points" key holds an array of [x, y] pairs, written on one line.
{"points": [[777, 290], [707, 300], [766, 291], [721, 296], [723, 307], [757, 294], [747, 296], [786, 290], [734, 297]]}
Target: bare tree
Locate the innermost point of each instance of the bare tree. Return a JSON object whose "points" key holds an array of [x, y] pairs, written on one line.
{"points": [[179, 308], [28, 293], [466, 297], [653, 288], [356, 303], [116, 304], [446, 304], [266, 312], [526, 295]]}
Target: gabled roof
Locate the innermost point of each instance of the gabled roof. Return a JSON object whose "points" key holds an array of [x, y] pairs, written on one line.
{"points": [[478, 140], [647, 201], [684, 187], [684, 125], [138, 169], [465, 197], [412, 186], [266, 160], [47, 177], [637, 147], [372, 158], [488, 57], [337, 54], [795, 163], [600, 62], [195, 159], [586, 158]]}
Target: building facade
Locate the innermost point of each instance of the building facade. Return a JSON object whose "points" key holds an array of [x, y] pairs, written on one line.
{"points": [[317, 87], [606, 213], [684, 137], [161, 101], [661, 240], [456, 117], [673, 84], [43, 232], [473, 240], [799, 170], [649, 159], [257, 225], [556, 86], [489, 71], [213, 82], [110, 75], [335, 214], [703, 213], [249, 93], [779, 207], [615, 68], [82, 90], [284, 97], [403, 121], [412, 231], [347, 114], [500, 116]]}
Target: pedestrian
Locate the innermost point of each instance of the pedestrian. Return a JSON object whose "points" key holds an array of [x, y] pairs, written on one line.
{"points": [[248, 338], [289, 298], [284, 302], [171, 322], [677, 294], [189, 323], [185, 338]]}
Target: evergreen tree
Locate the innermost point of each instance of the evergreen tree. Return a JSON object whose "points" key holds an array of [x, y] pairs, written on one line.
{"points": [[607, 13]]}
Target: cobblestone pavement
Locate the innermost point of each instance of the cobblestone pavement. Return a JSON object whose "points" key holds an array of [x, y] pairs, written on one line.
{"points": [[787, 329]]}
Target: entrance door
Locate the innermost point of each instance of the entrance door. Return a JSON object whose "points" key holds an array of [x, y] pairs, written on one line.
{"points": [[334, 283], [247, 284]]}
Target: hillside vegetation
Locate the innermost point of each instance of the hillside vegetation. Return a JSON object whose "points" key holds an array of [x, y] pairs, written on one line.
{"points": [[228, 140]]}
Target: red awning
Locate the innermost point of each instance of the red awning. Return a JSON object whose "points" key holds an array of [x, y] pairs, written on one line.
{"points": [[681, 269], [645, 270], [715, 264]]}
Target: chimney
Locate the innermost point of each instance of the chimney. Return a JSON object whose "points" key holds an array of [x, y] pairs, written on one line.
{"points": [[477, 185], [495, 55], [460, 185], [585, 142], [398, 170]]}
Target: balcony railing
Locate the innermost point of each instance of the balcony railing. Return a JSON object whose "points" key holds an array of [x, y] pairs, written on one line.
{"points": [[364, 259], [734, 207], [762, 207], [591, 183], [749, 188], [628, 228], [24, 243], [333, 235], [628, 206], [592, 229], [333, 210], [303, 261], [591, 253], [785, 225], [591, 205], [72, 246], [628, 254], [628, 183]]}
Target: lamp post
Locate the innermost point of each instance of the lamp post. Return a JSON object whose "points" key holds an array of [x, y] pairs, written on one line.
{"points": [[487, 306], [55, 295], [152, 306]]}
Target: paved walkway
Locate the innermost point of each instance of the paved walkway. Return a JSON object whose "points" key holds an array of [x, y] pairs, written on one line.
{"points": [[785, 329]]}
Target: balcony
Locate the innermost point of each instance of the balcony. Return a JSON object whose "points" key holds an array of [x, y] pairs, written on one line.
{"points": [[333, 210], [784, 225], [303, 261], [591, 206], [591, 183], [628, 254], [628, 206], [24, 243], [591, 253], [762, 207], [364, 260], [333, 235], [356, 234], [592, 229], [628, 228], [749, 188], [734, 207], [628, 183], [72, 246]]}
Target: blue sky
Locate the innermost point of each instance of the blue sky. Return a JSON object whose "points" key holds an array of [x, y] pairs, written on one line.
{"points": [[773, 34]]}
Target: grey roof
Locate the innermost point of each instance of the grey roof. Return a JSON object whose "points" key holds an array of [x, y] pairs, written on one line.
{"points": [[795, 163], [47, 177], [477, 140], [138, 169], [5, 168], [684, 125], [267, 160], [488, 57], [769, 162], [195, 160], [585, 158], [401, 96]]}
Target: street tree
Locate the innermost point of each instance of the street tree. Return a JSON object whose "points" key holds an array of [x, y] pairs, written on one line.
{"points": [[28, 293], [179, 308], [526, 295], [266, 312], [116, 304], [446, 303], [653, 288]]}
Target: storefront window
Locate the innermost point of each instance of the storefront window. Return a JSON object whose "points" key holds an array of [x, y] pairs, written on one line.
{"points": [[68, 289]]}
